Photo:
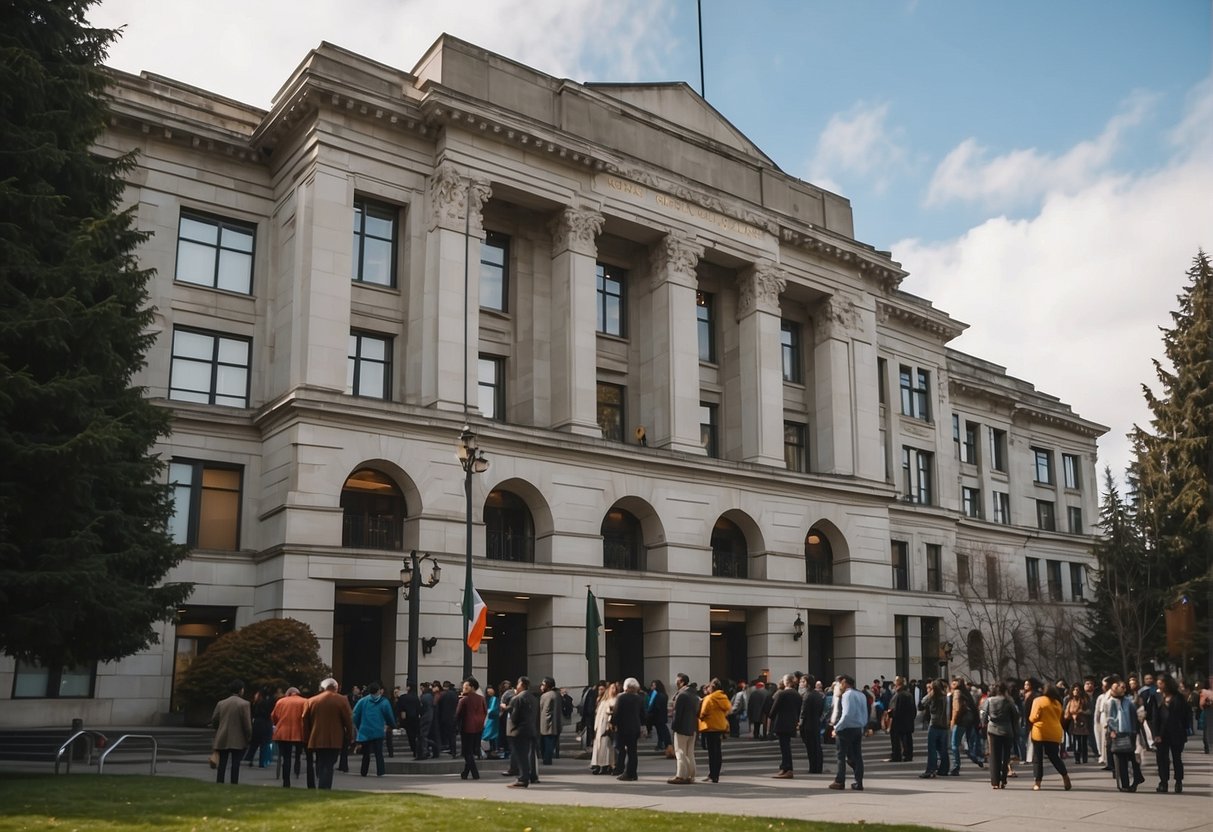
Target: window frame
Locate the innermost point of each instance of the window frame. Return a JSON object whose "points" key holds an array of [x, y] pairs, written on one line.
{"points": [[917, 468], [1053, 580], [796, 449], [790, 351], [197, 491], [496, 386], [627, 536], [1042, 460], [710, 430], [355, 379], [964, 571], [998, 449], [934, 553], [619, 407], [214, 363], [705, 325], [899, 559], [1074, 521], [1032, 576], [605, 275], [362, 208], [968, 442], [496, 240], [1002, 507], [221, 224], [993, 578], [1046, 515], [54, 681], [1078, 581], [915, 384], [970, 502], [1070, 468]]}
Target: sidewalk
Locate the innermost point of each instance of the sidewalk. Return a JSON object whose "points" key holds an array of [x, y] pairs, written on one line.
{"points": [[892, 792]]}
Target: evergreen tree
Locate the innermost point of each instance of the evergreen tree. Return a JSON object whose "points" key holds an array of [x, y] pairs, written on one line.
{"points": [[1124, 615], [83, 540], [1172, 473]]}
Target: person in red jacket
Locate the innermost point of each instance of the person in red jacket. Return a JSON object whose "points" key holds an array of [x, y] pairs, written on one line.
{"points": [[469, 716], [287, 717]]}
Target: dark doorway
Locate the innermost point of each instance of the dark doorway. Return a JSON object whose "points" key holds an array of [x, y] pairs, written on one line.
{"points": [[364, 636], [821, 651], [729, 655], [506, 636], [624, 648]]}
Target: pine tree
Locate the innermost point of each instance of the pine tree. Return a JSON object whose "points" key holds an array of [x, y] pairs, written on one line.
{"points": [[83, 515], [1172, 473]]}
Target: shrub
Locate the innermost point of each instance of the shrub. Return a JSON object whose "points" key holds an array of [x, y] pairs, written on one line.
{"points": [[277, 652]]}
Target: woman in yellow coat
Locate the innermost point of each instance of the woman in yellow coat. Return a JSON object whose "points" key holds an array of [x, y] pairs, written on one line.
{"points": [[1045, 720], [713, 723]]}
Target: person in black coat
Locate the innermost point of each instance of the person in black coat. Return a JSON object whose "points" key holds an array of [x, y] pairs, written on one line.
{"points": [[446, 703], [657, 713], [901, 712], [408, 714], [522, 726], [1169, 720], [786, 705], [628, 719], [810, 726], [686, 725], [756, 709]]}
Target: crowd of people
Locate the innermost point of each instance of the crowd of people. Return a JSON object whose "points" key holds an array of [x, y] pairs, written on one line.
{"points": [[1115, 723]]}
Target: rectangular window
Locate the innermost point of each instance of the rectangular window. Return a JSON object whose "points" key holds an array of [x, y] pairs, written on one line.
{"points": [[705, 322], [915, 393], [901, 645], [789, 347], [931, 656], [1077, 581], [916, 468], [956, 433], [970, 500], [968, 445], [215, 252], [1053, 567], [490, 378], [374, 257], [610, 411], [964, 574], [795, 451], [998, 449], [1074, 520], [993, 581], [1045, 518], [368, 370], [882, 379], [1069, 469], [901, 567], [934, 567], [209, 368], [707, 428], [1002, 508], [32, 681], [206, 504], [1042, 461], [495, 271], [1033, 574], [612, 299]]}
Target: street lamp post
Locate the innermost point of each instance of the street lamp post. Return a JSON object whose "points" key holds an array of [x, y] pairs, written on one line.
{"points": [[410, 587], [472, 459]]}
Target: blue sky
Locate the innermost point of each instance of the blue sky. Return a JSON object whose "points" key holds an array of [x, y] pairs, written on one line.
{"points": [[1042, 169]]}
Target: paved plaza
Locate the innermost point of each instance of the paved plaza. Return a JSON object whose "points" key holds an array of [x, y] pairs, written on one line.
{"points": [[893, 793]]}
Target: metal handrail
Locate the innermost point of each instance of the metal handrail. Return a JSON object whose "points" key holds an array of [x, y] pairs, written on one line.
{"points": [[97, 735], [119, 741]]}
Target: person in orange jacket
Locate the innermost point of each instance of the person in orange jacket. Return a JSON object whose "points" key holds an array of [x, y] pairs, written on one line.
{"points": [[287, 717], [713, 724]]}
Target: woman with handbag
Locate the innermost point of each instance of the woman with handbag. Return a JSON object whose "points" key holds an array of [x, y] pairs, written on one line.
{"points": [[1122, 735], [1078, 722]]}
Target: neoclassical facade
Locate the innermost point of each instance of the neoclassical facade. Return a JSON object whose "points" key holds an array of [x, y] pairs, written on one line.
{"points": [[701, 397]]}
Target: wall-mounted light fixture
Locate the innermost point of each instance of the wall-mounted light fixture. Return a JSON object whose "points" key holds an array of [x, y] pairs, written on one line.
{"points": [[427, 644], [797, 628]]}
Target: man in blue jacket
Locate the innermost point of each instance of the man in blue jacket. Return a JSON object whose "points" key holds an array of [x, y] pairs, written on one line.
{"points": [[373, 716], [848, 732]]}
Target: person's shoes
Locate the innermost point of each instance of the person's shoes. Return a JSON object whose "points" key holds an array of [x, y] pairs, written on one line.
{"points": [[1132, 788], [509, 774], [980, 763], [954, 772], [595, 769], [836, 786], [784, 775], [1179, 786], [1036, 787], [626, 777], [857, 787], [995, 786], [517, 785], [534, 779], [927, 775], [676, 781], [475, 775], [1065, 782], [1161, 788], [1138, 780], [463, 775]]}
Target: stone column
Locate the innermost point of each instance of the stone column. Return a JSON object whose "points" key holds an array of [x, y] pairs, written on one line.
{"points": [[677, 639], [574, 303], [439, 310], [556, 641], [760, 363], [671, 352], [769, 642], [835, 320]]}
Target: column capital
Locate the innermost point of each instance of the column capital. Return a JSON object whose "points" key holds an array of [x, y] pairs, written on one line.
{"points": [[836, 317], [674, 260], [453, 195], [576, 230], [760, 287]]}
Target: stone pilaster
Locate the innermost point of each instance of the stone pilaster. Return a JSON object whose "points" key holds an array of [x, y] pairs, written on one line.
{"points": [[671, 361], [759, 359], [574, 341], [836, 318], [677, 639], [443, 319]]}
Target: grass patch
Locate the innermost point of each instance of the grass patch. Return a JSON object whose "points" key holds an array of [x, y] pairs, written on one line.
{"points": [[131, 802]]}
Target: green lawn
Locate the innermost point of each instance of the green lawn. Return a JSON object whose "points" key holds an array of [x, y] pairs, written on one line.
{"points": [[128, 802]]}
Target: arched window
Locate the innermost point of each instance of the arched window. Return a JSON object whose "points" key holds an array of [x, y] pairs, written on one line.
{"points": [[730, 558], [818, 559], [622, 540], [373, 512], [509, 529]]}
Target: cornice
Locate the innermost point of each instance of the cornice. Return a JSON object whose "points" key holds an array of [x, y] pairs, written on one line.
{"points": [[931, 321], [1067, 419]]}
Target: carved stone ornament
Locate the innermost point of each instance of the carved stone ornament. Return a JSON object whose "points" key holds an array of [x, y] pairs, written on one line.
{"points": [[837, 316], [576, 230], [451, 195], [674, 259], [759, 289]]}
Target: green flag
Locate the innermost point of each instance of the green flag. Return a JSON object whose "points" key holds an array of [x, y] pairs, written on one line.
{"points": [[592, 623]]}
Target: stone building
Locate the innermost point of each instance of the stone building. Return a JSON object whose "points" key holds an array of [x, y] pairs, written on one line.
{"points": [[700, 395]]}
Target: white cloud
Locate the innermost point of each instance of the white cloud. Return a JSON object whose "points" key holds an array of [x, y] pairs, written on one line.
{"points": [[968, 174], [858, 142], [1071, 299], [246, 51]]}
